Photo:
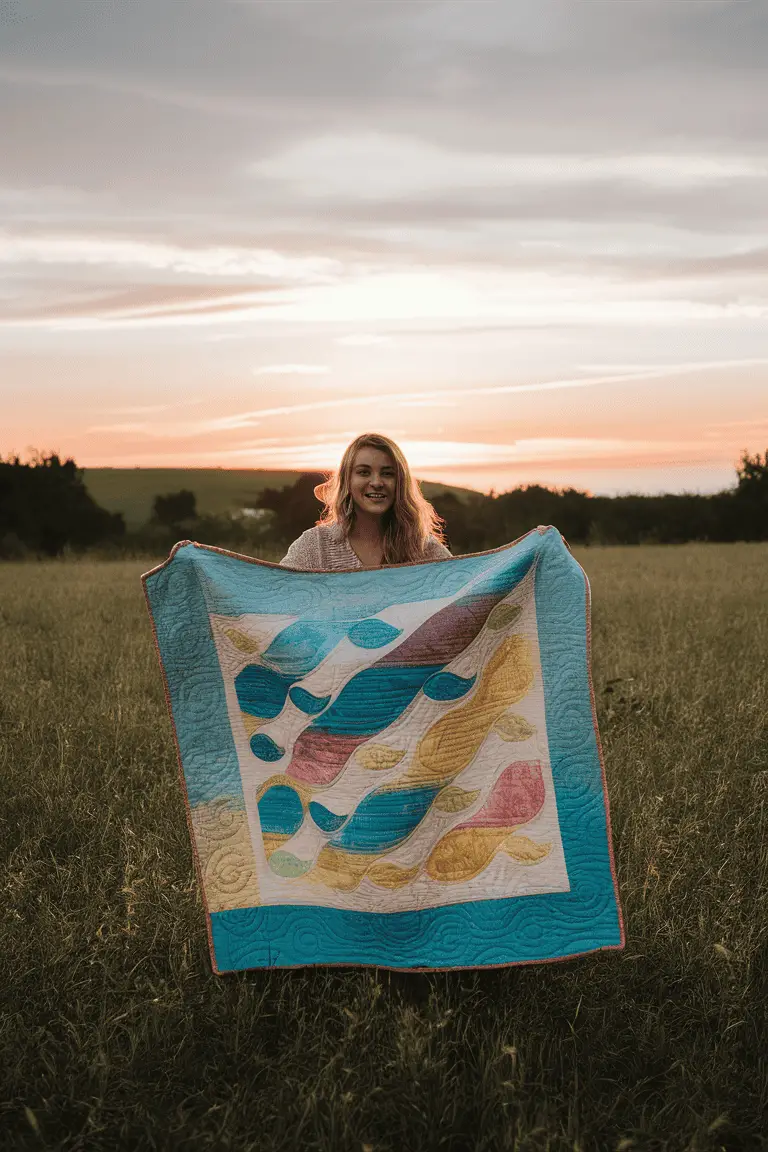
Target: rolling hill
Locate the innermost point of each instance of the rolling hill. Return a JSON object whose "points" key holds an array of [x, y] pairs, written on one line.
{"points": [[218, 490]]}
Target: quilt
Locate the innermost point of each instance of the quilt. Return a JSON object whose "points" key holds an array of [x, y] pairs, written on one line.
{"points": [[399, 766]]}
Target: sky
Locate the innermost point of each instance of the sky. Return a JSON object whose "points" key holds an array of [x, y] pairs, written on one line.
{"points": [[528, 241]]}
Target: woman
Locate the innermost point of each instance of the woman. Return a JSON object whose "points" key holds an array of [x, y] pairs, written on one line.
{"points": [[374, 514]]}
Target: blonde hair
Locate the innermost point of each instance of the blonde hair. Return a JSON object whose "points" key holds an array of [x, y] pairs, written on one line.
{"points": [[408, 524]]}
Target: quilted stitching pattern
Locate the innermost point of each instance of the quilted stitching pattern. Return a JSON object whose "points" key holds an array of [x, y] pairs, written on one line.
{"points": [[396, 766]]}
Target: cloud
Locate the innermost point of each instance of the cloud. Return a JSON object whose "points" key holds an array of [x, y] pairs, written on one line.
{"points": [[144, 302], [199, 100], [469, 297], [220, 260], [324, 452], [693, 209], [378, 167], [255, 417], [149, 409], [158, 279]]}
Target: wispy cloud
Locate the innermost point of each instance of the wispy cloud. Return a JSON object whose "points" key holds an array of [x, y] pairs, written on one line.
{"points": [[367, 165], [368, 304], [223, 260], [427, 455], [242, 420], [674, 367], [171, 285], [484, 296], [255, 417], [143, 303], [150, 409]]}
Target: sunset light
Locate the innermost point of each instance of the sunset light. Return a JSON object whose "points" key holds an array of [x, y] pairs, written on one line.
{"points": [[518, 298]]}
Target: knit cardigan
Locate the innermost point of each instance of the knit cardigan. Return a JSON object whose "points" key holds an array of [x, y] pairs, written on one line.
{"points": [[326, 548]]}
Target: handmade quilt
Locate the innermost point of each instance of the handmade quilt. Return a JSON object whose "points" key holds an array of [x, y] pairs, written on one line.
{"points": [[396, 766]]}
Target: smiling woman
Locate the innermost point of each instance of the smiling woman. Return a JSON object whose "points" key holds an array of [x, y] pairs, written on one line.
{"points": [[375, 514]]}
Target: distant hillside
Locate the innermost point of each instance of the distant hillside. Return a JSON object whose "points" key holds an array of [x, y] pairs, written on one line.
{"points": [[132, 490]]}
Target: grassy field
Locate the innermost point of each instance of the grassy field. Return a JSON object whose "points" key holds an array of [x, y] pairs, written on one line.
{"points": [[115, 1034], [218, 490]]}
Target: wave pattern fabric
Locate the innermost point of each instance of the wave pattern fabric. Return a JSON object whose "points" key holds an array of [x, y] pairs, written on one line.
{"points": [[397, 766]]}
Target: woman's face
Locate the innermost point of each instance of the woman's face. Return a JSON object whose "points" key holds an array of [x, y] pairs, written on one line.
{"points": [[373, 474]]}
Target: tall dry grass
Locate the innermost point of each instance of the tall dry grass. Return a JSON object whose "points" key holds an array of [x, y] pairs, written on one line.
{"points": [[115, 1034]]}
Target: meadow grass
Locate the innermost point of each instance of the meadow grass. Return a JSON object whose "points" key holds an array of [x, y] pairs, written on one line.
{"points": [[114, 1033]]}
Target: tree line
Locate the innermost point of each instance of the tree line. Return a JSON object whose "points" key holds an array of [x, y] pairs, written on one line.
{"points": [[46, 509]]}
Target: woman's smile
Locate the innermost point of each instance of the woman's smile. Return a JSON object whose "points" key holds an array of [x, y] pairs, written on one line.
{"points": [[377, 498]]}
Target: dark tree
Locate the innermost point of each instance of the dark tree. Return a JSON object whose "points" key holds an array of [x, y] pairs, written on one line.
{"points": [[174, 508], [45, 505], [749, 503], [466, 524], [752, 474], [295, 506]]}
